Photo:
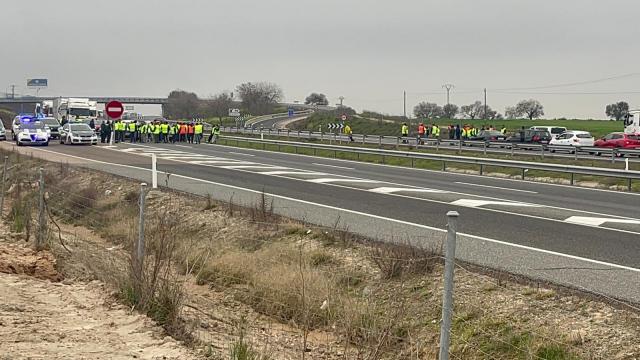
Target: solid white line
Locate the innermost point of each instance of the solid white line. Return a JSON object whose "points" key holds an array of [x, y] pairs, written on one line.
{"points": [[549, 252], [476, 203], [596, 221], [331, 180], [333, 166], [218, 162], [235, 167], [391, 190], [496, 187], [184, 146], [237, 153], [294, 172]]}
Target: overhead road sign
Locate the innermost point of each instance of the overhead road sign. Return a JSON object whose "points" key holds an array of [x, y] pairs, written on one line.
{"points": [[114, 109], [37, 83], [234, 112]]}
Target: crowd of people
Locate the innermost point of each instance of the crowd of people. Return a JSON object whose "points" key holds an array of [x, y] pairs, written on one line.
{"points": [[455, 132], [156, 132]]}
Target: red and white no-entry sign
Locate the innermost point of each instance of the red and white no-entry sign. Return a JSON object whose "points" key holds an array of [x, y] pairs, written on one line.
{"points": [[114, 109]]}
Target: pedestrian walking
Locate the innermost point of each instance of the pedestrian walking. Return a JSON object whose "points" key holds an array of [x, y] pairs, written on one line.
{"points": [[215, 133], [190, 133], [421, 133], [198, 128], [404, 130]]}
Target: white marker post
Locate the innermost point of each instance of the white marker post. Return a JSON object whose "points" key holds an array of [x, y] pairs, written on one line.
{"points": [[626, 164], [154, 171]]}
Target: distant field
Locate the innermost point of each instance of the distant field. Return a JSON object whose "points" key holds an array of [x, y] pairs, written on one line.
{"points": [[598, 128]]}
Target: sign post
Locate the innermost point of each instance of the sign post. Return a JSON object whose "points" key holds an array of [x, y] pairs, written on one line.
{"points": [[113, 110]]}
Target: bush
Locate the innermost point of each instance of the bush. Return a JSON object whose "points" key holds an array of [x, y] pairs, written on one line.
{"points": [[395, 260]]}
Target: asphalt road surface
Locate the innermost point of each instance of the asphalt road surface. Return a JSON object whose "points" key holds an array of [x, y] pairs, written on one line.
{"points": [[583, 238]]}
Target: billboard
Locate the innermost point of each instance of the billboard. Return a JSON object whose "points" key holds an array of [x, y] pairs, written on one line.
{"points": [[37, 83]]}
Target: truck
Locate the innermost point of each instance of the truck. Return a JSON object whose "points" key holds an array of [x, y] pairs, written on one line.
{"points": [[74, 109], [632, 122]]}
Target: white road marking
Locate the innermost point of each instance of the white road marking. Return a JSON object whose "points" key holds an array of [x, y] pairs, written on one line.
{"points": [[219, 162], [183, 146], [391, 190], [293, 172], [237, 153], [182, 156], [330, 180], [597, 221], [476, 203], [334, 166], [234, 167], [496, 187], [524, 247]]}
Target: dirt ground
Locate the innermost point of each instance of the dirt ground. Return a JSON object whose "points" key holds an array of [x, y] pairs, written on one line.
{"points": [[43, 316]]}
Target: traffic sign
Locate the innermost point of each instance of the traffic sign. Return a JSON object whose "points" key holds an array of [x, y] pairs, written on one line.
{"points": [[234, 112], [114, 109], [344, 117]]}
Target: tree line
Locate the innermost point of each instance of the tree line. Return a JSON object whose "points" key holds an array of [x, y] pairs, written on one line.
{"points": [[531, 109]]}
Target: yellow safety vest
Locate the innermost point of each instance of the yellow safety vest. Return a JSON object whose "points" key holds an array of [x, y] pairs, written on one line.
{"points": [[197, 129], [132, 127]]}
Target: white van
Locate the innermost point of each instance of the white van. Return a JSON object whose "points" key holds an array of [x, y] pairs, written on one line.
{"points": [[553, 130]]}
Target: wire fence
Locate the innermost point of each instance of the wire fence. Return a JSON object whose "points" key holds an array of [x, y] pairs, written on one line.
{"points": [[320, 293]]}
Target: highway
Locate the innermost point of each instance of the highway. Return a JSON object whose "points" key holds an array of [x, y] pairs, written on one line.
{"points": [[577, 237]]}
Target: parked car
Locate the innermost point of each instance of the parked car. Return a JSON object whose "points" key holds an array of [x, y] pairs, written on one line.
{"points": [[619, 140], [489, 135], [553, 130], [3, 131], [572, 140], [77, 133], [53, 126], [530, 136]]}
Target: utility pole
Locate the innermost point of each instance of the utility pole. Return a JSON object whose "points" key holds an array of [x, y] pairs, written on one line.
{"points": [[341, 98], [13, 91], [448, 87], [404, 96], [485, 104]]}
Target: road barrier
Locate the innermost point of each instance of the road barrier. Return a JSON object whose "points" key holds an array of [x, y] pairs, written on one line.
{"points": [[543, 151], [629, 175]]}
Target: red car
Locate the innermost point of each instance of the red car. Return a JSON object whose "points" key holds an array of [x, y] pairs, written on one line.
{"points": [[619, 140]]}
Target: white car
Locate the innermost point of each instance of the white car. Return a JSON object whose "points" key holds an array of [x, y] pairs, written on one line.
{"points": [[3, 131], [572, 140], [77, 133], [31, 132]]}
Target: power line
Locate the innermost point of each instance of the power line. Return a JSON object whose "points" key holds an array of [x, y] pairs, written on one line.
{"points": [[568, 92], [574, 83]]}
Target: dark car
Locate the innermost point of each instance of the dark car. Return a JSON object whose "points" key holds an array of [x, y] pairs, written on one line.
{"points": [[489, 135], [54, 126], [530, 137]]}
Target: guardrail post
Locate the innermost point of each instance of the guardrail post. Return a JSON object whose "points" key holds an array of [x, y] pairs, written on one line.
{"points": [[309, 134], [512, 149], [4, 180], [154, 171], [613, 155], [572, 178], [397, 143], [437, 144], [380, 141], [459, 146], [298, 134], [481, 169], [42, 226], [575, 155], [523, 173], [444, 165], [447, 294], [321, 136], [629, 185], [412, 162], [288, 131], [140, 244], [364, 138], [484, 149], [384, 159], [542, 151]]}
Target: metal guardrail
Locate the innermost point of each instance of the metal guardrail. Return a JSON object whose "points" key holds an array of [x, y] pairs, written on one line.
{"points": [[450, 144], [258, 119], [630, 175]]}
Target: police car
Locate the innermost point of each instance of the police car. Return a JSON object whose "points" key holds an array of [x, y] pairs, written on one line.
{"points": [[28, 130]]}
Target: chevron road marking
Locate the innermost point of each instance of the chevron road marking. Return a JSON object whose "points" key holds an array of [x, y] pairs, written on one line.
{"points": [[478, 203], [597, 221]]}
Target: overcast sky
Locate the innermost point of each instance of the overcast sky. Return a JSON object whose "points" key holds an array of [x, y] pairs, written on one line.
{"points": [[365, 50]]}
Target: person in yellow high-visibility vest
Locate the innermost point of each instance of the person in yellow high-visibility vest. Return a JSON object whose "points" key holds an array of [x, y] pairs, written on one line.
{"points": [[349, 132], [156, 133], [435, 131], [404, 130], [198, 128], [164, 132]]}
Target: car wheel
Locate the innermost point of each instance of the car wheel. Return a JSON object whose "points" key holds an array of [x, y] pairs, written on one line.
{"points": [[46, 144]]}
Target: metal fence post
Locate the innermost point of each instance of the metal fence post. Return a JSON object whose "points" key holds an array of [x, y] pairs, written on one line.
{"points": [[484, 150], [397, 143], [613, 156], [4, 180], [459, 146], [140, 244], [41, 217], [380, 141], [154, 171], [447, 295]]}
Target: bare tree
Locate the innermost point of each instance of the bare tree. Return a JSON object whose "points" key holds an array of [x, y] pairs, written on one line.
{"points": [[617, 110], [181, 104], [427, 110], [260, 98], [530, 108], [450, 111], [218, 106], [472, 111], [318, 99], [489, 115], [511, 112]]}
